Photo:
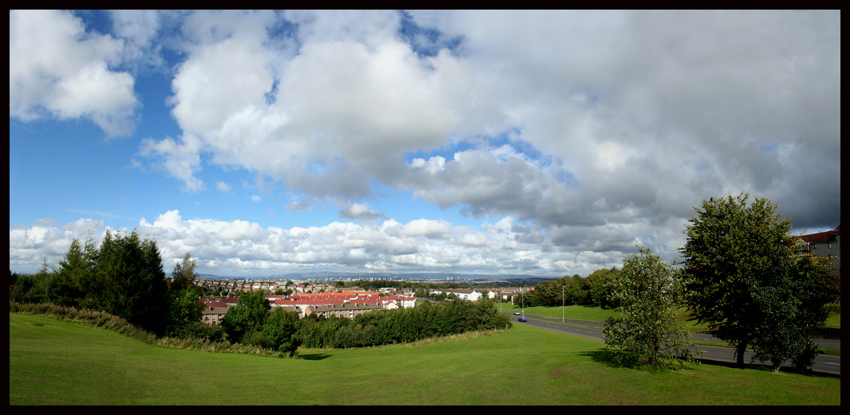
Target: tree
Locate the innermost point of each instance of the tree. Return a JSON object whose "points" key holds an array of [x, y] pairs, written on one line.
{"points": [[184, 275], [647, 330], [281, 329], [75, 275], [129, 281], [249, 314], [600, 286], [744, 276], [578, 290], [796, 309], [184, 310]]}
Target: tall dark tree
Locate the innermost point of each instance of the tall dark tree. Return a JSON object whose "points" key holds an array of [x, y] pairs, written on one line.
{"points": [[744, 276], [129, 281]]}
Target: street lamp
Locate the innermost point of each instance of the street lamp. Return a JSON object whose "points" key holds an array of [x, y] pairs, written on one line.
{"points": [[563, 302]]}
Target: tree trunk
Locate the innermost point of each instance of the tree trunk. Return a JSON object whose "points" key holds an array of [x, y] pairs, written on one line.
{"points": [[742, 347]]}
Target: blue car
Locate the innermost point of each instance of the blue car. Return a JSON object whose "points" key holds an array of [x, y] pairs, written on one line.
{"points": [[523, 319]]}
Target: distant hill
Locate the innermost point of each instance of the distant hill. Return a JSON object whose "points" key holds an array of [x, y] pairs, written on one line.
{"points": [[446, 277]]}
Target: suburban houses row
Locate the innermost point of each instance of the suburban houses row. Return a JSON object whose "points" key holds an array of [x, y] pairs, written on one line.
{"points": [[346, 304]]}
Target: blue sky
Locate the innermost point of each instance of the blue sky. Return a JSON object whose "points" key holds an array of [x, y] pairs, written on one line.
{"points": [[521, 142]]}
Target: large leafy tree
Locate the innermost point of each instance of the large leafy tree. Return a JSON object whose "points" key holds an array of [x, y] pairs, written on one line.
{"points": [[745, 277], [578, 290], [647, 329], [248, 315], [600, 286], [281, 330], [184, 307]]}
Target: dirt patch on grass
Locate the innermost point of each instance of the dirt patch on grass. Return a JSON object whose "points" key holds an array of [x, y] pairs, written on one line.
{"points": [[559, 372]]}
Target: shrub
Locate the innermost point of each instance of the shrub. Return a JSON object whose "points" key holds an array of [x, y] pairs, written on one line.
{"points": [[832, 308]]}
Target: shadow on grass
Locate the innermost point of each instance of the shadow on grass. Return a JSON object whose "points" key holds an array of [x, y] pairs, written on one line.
{"points": [[609, 358], [765, 368], [313, 356]]}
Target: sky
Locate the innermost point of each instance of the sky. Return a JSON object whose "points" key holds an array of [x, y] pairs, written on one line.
{"points": [[544, 143]]}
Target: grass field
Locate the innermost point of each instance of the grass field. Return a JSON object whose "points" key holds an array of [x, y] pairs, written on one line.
{"points": [[594, 313], [55, 362]]}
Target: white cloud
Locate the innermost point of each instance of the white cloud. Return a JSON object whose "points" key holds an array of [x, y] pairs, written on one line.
{"points": [[592, 131], [57, 69], [223, 187], [358, 211], [240, 247], [181, 161]]}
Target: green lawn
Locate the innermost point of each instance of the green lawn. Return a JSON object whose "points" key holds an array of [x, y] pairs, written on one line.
{"points": [[574, 312], [55, 362], [594, 313]]}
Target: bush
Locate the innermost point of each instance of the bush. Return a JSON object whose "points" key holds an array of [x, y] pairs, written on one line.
{"points": [[202, 331], [832, 308], [256, 338], [404, 325]]}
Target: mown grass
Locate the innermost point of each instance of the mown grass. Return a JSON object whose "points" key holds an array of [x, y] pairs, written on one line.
{"points": [[570, 312], [55, 362], [595, 313], [598, 314]]}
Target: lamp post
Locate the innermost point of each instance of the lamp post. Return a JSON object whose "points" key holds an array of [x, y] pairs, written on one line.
{"points": [[563, 302]]}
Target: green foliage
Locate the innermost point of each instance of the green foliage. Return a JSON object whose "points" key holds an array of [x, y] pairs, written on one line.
{"points": [[183, 276], [33, 289], [123, 278], [647, 329], [249, 314], [200, 331], [745, 277], [403, 325], [184, 309], [281, 331], [578, 290], [129, 281], [600, 282]]}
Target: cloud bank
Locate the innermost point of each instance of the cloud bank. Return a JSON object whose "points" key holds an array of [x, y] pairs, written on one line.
{"points": [[571, 135]]}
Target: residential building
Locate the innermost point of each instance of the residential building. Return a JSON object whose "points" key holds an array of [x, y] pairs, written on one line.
{"points": [[464, 294], [826, 244]]}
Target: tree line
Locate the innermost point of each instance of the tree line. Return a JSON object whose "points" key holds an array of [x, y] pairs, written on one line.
{"points": [[123, 277], [594, 290], [402, 325]]}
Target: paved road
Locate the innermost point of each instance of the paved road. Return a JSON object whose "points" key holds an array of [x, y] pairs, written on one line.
{"points": [[593, 330]]}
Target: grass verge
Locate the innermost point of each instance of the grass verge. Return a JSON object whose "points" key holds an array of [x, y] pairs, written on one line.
{"points": [[59, 362]]}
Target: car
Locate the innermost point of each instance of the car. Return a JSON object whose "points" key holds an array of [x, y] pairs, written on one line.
{"points": [[516, 313], [523, 319]]}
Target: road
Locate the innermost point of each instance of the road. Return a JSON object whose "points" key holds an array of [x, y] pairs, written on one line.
{"points": [[593, 330]]}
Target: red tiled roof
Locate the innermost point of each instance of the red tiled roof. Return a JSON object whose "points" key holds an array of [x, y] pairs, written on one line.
{"points": [[821, 237]]}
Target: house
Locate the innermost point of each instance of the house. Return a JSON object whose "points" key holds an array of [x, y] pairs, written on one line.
{"points": [[826, 244], [212, 314], [347, 310], [464, 294]]}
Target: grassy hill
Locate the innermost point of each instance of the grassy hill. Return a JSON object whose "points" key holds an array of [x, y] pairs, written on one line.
{"points": [[55, 362]]}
